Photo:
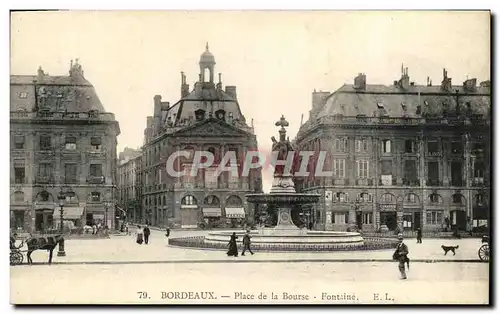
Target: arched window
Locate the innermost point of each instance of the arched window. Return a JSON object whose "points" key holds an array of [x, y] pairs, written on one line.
{"points": [[188, 200], [411, 198], [387, 198], [435, 198], [211, 200], [234, 201], [479, 199], [457, 199]]}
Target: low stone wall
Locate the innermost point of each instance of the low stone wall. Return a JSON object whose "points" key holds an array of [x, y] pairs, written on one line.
{"points": [[368, 245]]}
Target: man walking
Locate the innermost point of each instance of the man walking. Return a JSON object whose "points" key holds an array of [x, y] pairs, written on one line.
{"points": [[147, 232], [401, 255], [419, 235], [246, 243]]}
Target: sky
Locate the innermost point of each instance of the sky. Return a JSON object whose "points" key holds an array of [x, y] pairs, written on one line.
{"points": [[276, 59]]}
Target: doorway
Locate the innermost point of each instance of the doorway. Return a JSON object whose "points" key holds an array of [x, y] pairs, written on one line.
{"points": [[89, 218], [389, 219], [359, 220], [459, 219], [417, 223]]}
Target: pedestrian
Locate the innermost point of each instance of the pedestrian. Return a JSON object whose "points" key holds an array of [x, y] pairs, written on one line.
{"points": [[310, 225], [138, 232], [126, 228], [419, 235], [246, 243], [401, 255], [147, 232], [167, 234], [233, 248], [94, 229]]}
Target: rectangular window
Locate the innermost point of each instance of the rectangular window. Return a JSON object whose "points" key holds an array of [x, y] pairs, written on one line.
{"points": [[45, 170], [19, 142], [409, 146], [339, 168], [432, 147], [361, 145], [386, 167], [340, 218], [19, 173], [364, 198], [456, 173], [70, 173], [456, 147], [386, 146], [362, 166], [434, 217], [410, 173], [478, 169], [95, 142], [367, 218], [341, 144], [45, 142], [70, 143], [433, 171], [96, 170]]}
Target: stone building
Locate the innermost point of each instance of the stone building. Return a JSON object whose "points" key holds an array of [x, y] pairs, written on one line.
{"points": [[129, 190], [62, 140], [413, 156], [206, 118]]}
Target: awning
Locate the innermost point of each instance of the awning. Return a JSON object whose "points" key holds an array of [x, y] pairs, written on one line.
{"points": [[480, 212], [212, 212], [72, 212], [235, 212]]}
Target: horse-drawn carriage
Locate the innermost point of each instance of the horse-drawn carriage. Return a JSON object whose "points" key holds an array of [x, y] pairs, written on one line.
{"points": [[33, 243], [484, 250]]}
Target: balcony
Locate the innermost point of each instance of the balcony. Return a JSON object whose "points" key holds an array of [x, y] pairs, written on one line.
{"points": [[457, 183], [433, 182], [411, 182], [434, 154], [364, 182], [477, 181], [95, 179], [20, 180], [74, 116], [43, 179]]}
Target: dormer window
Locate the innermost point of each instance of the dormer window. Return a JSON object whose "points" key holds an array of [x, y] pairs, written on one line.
{"points": [[199, 114], [220, 114]]}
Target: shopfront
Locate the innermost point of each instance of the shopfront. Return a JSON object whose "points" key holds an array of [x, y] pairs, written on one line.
{"points": [[412, 212]]}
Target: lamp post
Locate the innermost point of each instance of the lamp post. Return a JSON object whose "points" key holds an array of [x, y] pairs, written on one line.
{"points": [[106, 206], [61, 197]]}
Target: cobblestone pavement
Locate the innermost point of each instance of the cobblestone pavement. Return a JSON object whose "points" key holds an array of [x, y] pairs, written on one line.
{"points": [[320, 282], [122, 249]]}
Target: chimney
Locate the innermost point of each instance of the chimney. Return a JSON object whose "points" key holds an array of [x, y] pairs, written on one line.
{"points": [[404, 81], [219, 84], [360, 82], [470, 85], [231, 91], [157, 105], [446, 83], [184, 86]]}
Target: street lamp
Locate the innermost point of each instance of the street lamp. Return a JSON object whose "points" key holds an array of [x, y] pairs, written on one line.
{"points": [[61, 197], [107, 204]]}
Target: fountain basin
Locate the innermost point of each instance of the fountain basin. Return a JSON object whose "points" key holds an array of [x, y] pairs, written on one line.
{"points": [[283, 198]]}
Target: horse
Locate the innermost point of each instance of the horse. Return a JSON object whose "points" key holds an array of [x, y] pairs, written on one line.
{"points": [[48, 243]]}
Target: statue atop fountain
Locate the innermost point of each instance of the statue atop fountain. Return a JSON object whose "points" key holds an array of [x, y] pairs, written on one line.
{"points": [[283, 178]]}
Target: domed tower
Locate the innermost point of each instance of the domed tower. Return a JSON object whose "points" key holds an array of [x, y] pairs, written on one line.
{"points": [[207, 61]]}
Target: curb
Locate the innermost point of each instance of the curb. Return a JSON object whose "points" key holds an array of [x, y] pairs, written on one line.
{"points": [[232, 260]]}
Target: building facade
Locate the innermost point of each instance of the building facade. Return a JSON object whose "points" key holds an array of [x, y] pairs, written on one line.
{"points": [[128, 172], [62, 140], [403, 157], [206, 118]]}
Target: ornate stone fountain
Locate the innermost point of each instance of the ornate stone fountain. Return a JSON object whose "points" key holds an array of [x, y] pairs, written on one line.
{"points": [[286, 236]]}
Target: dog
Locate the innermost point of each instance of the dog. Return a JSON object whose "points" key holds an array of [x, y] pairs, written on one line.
{"points": [[449, 248]]}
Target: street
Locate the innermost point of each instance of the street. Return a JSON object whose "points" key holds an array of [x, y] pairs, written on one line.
{"points": [[93, 284], [115, 269]]}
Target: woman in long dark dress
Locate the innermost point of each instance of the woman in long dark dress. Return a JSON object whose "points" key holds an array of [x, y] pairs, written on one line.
{"points": [[233, 249]]}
